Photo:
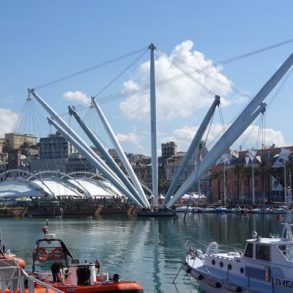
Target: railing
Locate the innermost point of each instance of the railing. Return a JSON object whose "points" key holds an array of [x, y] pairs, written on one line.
{"points": [[15, 279]]}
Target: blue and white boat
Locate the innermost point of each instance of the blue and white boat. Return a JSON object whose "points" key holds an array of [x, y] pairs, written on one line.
{"points": [[265, 266]]}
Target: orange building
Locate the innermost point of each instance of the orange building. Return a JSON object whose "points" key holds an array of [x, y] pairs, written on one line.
{"points": [[268, 180]]}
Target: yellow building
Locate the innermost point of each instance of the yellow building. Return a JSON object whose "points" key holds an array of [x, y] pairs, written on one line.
{"points": [[15, 140]]}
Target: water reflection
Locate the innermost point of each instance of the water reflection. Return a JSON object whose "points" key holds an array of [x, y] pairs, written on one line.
{"points": [[150, 250]]}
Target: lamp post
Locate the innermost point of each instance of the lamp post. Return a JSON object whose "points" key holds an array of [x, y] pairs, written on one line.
{"points": [[251, 156], [225, 160], [281, 162]]}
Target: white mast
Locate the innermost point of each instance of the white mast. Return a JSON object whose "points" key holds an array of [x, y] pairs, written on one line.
{"points": [[153, 127]]}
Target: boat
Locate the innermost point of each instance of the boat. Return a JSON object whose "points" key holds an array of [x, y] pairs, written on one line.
{"points": [[265, 266], [156, 212], [14, 278], [75, 275], [184, 209], [6, 255]]}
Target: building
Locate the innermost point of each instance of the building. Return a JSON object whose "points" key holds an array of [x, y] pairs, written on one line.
{"points": [[16, 140], [172, 164], [268, 179], [168, 149], [55, 146], [14, 159], [144, 173], [2, 143]]}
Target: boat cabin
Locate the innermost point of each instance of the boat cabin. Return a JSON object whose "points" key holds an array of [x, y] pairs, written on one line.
{"points": [[271, 249], [49, 251]]}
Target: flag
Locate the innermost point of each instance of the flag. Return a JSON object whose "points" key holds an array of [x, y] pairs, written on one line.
{"points": [[45, 229]]}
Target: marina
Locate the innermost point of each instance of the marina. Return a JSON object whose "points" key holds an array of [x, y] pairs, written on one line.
{"points": [[265, 265], [146, 147], [148, 250]]}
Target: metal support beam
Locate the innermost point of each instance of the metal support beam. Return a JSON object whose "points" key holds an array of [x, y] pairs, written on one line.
{"points": [[80, 144], [194, 144], [121, 187], [153, 126], [113, 165], [234, 131], [121, 153], [210, 159]]}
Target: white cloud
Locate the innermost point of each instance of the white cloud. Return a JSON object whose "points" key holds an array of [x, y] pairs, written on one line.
{"points": [[77, 96], [271, 136], [8, 121], [249, 139], [181, 96], [131, 138]]}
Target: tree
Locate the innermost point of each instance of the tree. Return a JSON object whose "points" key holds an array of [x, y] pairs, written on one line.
{"points": [[218, 175], [6, 147], [238, 170]]}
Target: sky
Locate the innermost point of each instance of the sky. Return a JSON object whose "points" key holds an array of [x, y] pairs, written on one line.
{"points": [[47, 41]]}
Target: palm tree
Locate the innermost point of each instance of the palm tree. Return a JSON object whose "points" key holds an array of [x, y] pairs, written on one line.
{"points": [[238, 169], [218, 175], [290, 170], [246, 174]]}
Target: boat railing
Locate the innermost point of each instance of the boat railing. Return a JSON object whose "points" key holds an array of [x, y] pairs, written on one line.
{"points": [[14, 278]]}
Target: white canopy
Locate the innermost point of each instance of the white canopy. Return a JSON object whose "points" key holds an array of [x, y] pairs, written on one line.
{"points": [[13, 188], [193, 196]]}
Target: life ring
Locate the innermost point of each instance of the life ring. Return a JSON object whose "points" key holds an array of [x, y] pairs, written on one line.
{"points": [[41, 254], [57, 253]]}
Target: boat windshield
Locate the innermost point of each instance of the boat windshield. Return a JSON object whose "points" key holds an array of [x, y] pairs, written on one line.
{"points": [[287, 250], [263, 252]]}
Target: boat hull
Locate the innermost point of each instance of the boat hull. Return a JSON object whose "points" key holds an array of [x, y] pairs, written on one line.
{"points": [[211, 284], [101, 287]]}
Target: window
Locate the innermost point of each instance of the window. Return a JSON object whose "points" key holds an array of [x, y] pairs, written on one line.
{"points": [[263, 252], [249, 250]]}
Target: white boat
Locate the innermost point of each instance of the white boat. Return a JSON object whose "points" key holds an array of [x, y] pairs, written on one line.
{"points": [[184, 209], [265, 266]]}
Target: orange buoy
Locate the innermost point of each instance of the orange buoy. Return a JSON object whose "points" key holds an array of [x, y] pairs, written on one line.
{"points": [[20, 262]]}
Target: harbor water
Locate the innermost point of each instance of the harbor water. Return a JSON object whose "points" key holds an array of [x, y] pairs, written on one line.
{"points": [[148, 250]]}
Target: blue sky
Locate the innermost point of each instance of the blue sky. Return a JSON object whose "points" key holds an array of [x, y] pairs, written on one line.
{"points": [[44, 40]]}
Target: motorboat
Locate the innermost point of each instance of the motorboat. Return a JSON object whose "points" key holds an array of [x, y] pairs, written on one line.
{"points": [[7, 255], [13, 276], [222, 209], [265, 265], [184, 209], [75, 275]]}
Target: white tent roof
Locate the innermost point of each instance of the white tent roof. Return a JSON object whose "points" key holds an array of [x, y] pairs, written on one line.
{"points": [[57, 187], [18, 188], [193, 196], [110, 187], [94, 187]]}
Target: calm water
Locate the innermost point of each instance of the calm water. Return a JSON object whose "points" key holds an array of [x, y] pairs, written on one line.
{"points": [[149, 251]]}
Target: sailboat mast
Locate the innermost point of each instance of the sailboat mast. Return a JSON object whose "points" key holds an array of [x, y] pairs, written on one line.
{"points": [[153, 127]]}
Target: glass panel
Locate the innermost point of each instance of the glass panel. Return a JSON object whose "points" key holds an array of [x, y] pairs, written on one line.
{"points": [[263, 252], [249, 250]]}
